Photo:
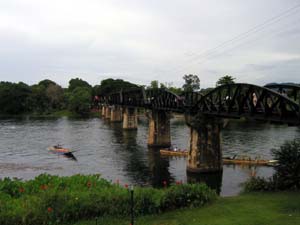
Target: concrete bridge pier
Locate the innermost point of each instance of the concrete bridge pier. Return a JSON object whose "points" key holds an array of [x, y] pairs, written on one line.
{"points": [[107, 112], [130, 118], [205, 153], [103, 110], [116, 114], [159, 129]]}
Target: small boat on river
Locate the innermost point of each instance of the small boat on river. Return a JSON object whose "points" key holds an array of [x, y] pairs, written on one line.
{"points": [[226, 161], [59, 149], [249, 161], [173, 152]]}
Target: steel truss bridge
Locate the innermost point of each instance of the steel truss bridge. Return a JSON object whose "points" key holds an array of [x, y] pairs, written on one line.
{"points": [[271, 103]]}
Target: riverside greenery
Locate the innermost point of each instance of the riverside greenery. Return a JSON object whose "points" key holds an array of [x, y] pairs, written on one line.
{"points": [[54, 200], [287, 172]]}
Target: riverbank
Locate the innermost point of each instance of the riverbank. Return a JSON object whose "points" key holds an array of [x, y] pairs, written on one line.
{"points": [[55, 114], [56, 200], [255, 208]]}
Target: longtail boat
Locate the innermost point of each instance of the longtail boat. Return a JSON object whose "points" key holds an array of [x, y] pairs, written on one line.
{"points": [[59, 149], [226, 161], [170, 152], [249, 161]]}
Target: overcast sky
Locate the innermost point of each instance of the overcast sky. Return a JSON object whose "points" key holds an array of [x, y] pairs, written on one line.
{"points": [[255, 41]]}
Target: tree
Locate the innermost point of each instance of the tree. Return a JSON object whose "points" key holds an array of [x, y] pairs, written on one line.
{"points": [[46, 83], [55, 94], [192, 83], [154, 84], [38, 100], [287, 172], [77, 82], [13, 97], [110, 85], [80, 100], [225, 80]]}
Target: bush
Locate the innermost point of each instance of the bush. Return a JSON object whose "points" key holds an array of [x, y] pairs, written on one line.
{"points": [[287, 173], [259, 184], [287, 170], [187, 195], [54, 200]]}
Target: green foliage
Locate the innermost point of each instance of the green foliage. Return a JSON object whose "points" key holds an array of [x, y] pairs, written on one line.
{"points": [[259, 184], [46, 83], [55, 94], [276, 208], [110, 85], [225, 80], [154, 84], [13, 97], [38, 100], [80, 100], [192, 83], [77, 82], [53, 200], [187, 195], [287, 170], [287, 173]]}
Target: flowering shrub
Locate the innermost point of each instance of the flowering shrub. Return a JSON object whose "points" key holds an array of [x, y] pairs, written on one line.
{"points": [[54, 200]]}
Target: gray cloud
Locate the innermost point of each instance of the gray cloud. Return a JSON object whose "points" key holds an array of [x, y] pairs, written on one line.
{"points": [[145, 40]]}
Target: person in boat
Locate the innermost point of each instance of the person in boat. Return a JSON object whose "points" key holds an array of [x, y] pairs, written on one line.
{"points": [[58, 146]]}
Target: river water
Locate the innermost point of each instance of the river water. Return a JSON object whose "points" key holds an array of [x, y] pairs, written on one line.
{"points": [[118, 155]]}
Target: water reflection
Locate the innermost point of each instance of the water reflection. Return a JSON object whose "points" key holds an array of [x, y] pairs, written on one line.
{"points": [[159, 168], [132, 155], [105, 148]]}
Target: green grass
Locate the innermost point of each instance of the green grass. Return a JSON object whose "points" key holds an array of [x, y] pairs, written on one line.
{"points": [[282, 208]]}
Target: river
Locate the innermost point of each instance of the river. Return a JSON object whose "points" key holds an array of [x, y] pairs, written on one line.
{"points": [[104, 148]]}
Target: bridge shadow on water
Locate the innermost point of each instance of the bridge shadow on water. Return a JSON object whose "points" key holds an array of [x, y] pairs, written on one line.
{"points": [[143, 166]]}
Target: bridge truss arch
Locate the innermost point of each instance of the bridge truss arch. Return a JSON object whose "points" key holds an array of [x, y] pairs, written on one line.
{"points": [[158, 99], [249, 101]]}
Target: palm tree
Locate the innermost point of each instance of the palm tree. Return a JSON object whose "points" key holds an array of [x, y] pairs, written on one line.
{"points": [[225, 80]]}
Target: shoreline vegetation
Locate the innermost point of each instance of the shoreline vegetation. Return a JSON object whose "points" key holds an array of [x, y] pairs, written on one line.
{"points": [[81, 199], [50, 199], [54, 114]]}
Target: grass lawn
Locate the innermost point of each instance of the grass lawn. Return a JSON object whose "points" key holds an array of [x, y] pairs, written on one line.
{"points": [[281, 208]]}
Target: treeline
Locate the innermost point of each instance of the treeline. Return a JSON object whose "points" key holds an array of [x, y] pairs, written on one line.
{"points": [[80, 97], [47, 96]]}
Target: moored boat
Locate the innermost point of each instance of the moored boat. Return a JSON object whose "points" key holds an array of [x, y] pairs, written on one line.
{"points": [[170, 152], [259, 162], [226, 161]]}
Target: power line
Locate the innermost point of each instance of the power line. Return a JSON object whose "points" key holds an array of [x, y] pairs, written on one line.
{"points": [[252, 30], [258, 28]]}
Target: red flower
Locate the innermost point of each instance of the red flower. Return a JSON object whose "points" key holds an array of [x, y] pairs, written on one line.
{"points": [[126, 185], [165, 183], [21, 190], [178, 182], [49, 209], [89, 184], [44, 187]]}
